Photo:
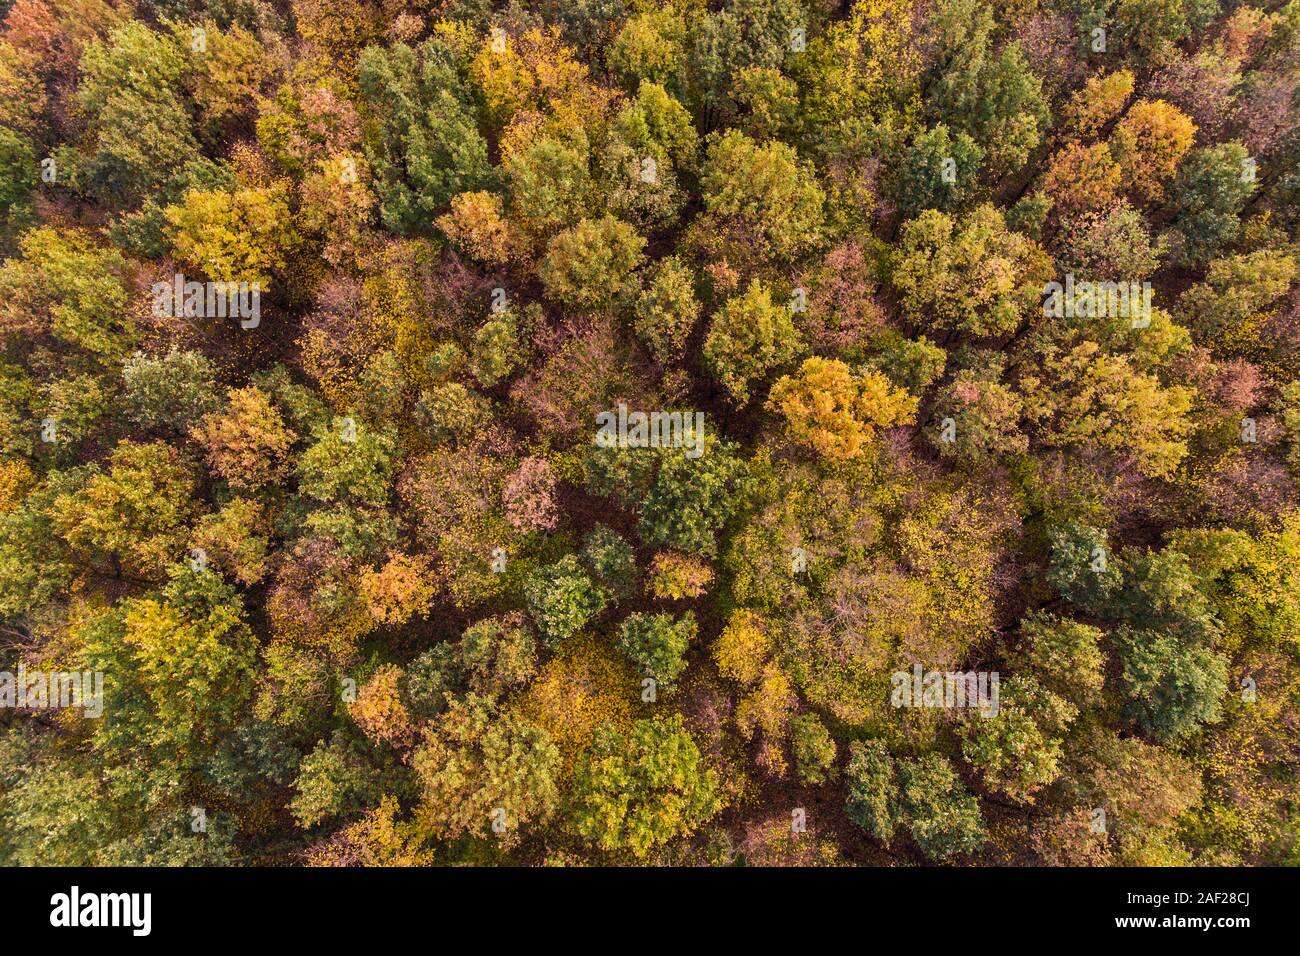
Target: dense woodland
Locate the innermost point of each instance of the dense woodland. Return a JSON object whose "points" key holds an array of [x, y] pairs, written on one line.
{"points": [[364, 587]]}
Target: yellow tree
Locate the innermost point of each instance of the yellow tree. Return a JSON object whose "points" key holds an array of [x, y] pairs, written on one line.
{"points": [[1148, 144], [833, 411], [243, 235]]}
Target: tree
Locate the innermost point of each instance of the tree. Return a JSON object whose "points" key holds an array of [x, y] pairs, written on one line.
{"points": [[1162, 593], [247, 442], [19, 174], [379, 711], [764, 714], [939, 170], [761, 198], [549, 184], [637, 790], [677, 576], [667, 309], [748, 337], [427, 146], [1148, 144], [813, 747], [1106, 243], [985, 418], [1065, 656], [1018, 750], [533, 71], [1103, 400], [377, 839], [693, 498], [67, 286], [231, 75], [483, 772], [174, 390], [997, 99], [769, 103], [400, 590], [476, 224], [528, 496], [237, 539], [591, 265], [139, 130], [1099, 101], [743, 647], [1083, 567], [1172, 686], [611, 560], [833, 411], [646, 164], [347, 462], [497, 655], [1227, 309], [971, 275], [334, 780], [185, 659], [1082, 178], [651, 46], [657, 644], [499, 347], [1208, 194], [945, 820], [562, 599], [245, 235], [131, 518], [1148, 28], [872, 782]]}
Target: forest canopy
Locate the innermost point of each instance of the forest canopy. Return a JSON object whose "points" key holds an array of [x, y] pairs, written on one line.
{"points": [[690, 432]]}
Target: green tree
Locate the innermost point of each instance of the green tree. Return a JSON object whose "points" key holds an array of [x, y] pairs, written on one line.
{"points": [[67, 286], [426, 146], [592, 265], [1019, 749], [611, 560], [348, 462], [139, 130], [693, 498], [639, 789], [761, 198], [813, 749], [749, 337], [1065, 656], [1208, 195], [657, 644], [549, 184], [1172, 685], [971, 275], [938, 170], [1083, 567], [667, 309], [944, 819], [562, 598], [173, 390], [872, 787], [132, 517]]}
